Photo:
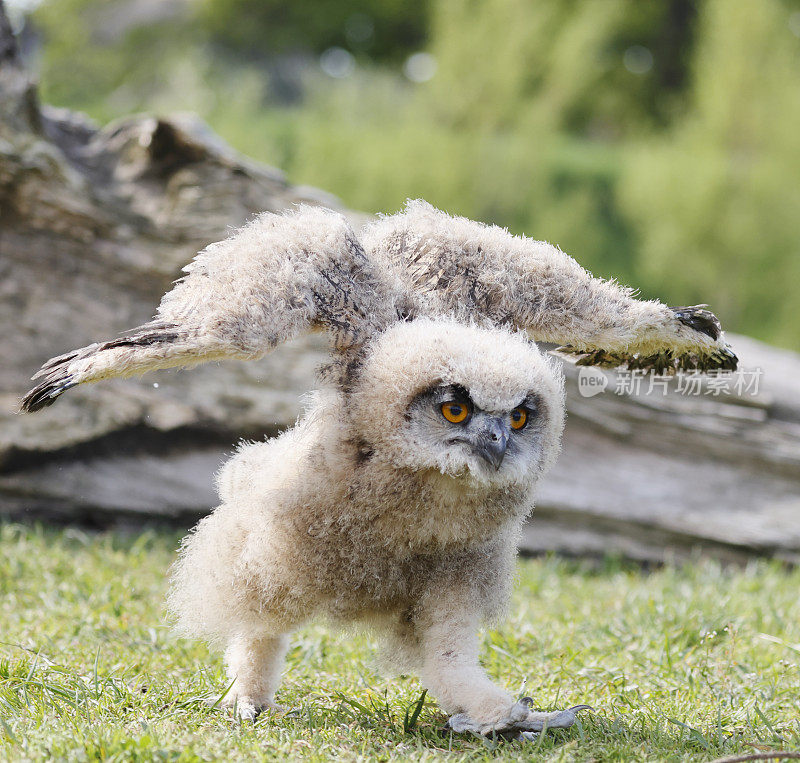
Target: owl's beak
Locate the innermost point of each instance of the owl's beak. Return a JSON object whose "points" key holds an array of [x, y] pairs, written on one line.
{"points": [[492, 440]]}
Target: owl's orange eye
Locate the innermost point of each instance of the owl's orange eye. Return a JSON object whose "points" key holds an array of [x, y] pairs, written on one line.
{"points": [[455, 413], [519, 417]]}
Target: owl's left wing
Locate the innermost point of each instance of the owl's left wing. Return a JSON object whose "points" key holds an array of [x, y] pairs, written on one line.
{"points": [[275, 279], [472, 270]]}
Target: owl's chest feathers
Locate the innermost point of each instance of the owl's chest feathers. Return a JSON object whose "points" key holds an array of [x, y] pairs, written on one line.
{"points": [[392, 512], [387, 537]]}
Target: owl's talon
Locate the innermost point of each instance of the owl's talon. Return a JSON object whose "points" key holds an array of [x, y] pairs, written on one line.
{"points": [[247, 710], [520, 723]]}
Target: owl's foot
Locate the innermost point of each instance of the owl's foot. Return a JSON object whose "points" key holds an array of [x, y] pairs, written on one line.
{"points": [[521, 721], [248, 710]]}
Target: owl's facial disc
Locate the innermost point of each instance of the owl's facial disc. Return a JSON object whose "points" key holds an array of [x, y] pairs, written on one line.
{"points": [[474, 440]]}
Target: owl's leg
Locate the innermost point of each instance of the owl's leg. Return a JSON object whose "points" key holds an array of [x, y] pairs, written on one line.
{"points": [[255, 662], [452, 673]]}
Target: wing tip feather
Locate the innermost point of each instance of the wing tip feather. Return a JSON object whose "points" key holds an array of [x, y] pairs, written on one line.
{"points": [[699, 319], [46, 393], [721, 358], [57, 378]]}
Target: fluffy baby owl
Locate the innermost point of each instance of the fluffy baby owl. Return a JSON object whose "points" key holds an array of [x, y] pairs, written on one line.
{"points": [[397, 502], [397, 499]]}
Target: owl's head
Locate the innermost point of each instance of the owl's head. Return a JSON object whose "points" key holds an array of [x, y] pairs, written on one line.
{"points": [[482, 405]]}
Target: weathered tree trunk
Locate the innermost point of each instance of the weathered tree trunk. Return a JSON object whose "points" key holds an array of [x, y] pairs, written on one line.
{"points": [[96, 223]]}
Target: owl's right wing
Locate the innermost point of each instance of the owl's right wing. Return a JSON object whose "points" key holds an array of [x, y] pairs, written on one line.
{"points": [[277, 278]]}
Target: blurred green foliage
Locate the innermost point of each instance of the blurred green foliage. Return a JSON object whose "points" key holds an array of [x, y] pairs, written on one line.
{"points": [[383, 30], [656, 142], [715, 200], [560, 65]]}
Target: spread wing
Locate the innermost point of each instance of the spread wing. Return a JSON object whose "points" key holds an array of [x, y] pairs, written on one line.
{"points": [[284, 275], [277, 278], [467, 269]]}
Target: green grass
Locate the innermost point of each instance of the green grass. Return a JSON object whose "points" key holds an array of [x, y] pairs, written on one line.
{"points": [[684, 663]]}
